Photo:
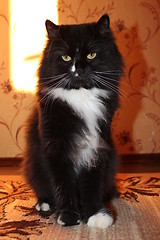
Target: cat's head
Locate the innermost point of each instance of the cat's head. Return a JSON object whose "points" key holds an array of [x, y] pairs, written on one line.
{"points": [[80, 56]]}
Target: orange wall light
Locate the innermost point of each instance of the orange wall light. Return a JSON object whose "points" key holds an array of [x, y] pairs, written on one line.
{"points": [[27, 38]]}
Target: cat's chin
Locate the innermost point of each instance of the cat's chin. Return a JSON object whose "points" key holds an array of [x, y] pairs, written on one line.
{"points": [[78, 87], [79, 84]]}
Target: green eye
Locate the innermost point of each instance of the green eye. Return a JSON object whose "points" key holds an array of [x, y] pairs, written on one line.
{"points": [[66, 58], [91, 56]]}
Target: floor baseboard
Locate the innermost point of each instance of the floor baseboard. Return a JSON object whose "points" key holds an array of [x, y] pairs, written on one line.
{"points": [[132, 163], [136, 163]]}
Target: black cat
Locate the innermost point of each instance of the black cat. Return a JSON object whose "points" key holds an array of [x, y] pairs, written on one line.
{"points": [[70, 160]]}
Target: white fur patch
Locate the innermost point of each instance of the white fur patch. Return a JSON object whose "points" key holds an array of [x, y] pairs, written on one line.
{"points": [[38, 208], [42, 207], [88, 105], [45, 207], [100, 220], [73, 68], [60, 222]]}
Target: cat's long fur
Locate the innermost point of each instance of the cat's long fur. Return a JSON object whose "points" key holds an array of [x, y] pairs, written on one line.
{"points": [[70, 160]]}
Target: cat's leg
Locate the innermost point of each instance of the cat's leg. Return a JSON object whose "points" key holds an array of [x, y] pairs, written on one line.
{"points": [[45, 200], [64, 185], [64, 203], [39, 181], [91, 193], [35, 171], [67, 209]]}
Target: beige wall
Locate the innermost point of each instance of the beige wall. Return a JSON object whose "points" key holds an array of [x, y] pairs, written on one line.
{"points": [[136, 24]]}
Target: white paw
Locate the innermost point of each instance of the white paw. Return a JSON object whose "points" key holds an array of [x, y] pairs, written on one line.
{"points": [[100, 220], [59, 221], [42, 207]]}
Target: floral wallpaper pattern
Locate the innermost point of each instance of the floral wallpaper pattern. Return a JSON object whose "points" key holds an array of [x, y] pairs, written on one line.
{"points": [[136, 26]]}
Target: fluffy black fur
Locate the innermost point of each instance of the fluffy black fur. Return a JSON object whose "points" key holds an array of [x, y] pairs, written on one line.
{"points": [[53, 161]]}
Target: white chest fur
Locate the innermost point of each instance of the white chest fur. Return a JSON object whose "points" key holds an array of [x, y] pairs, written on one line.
{"points": [[88, 105]]}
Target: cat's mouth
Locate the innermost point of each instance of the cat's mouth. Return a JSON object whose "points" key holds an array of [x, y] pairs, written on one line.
{"points": [[79, 82]]}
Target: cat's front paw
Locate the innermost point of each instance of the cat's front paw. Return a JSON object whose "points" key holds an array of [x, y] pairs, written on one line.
{"points": [[100, 220], [44, 209], [68, 218]]}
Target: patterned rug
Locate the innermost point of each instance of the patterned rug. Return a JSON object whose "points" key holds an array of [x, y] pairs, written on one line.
{"points": [[137, 212]]}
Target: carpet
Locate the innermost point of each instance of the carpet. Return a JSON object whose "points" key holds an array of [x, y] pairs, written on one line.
{"points": [[137, 212]]}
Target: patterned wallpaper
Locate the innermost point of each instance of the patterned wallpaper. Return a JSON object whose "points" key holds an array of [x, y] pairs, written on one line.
{"points": [[136, 25]]}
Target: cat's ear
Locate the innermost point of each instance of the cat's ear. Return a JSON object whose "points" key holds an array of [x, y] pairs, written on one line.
{"points": [[103, 24], [52, 29]]}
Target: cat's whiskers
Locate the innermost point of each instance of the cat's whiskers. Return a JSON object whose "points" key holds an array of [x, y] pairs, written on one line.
{"points": [[108, 78], [54, 82], [121, 83], [57, 77], [110, 86], [60, 84], [50, 84], [96, 84], [101, 75], [47, 91], [115, 72]]}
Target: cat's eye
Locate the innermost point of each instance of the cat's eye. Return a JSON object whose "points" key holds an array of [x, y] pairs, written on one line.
{"points": [[91, 56], [66, 58]]}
